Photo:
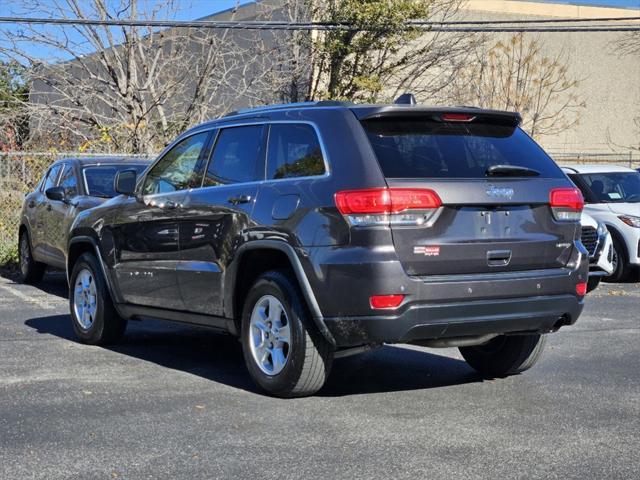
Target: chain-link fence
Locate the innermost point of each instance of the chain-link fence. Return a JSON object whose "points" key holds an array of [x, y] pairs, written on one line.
{"points": [[20, 172]]}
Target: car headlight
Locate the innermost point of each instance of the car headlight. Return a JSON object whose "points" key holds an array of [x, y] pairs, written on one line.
{"points": [[602, 229], [630, 220]]}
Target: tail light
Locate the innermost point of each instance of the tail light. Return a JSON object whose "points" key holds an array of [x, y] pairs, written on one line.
{"points": [[581, 289], [566, 204], [388, 206]]}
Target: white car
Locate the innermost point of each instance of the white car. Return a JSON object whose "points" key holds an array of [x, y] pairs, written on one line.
{"points": [[612, 196], [597, 240]]}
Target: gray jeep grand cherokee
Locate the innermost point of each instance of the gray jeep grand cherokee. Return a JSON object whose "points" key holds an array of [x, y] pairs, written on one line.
{"points": [[316, 230]]}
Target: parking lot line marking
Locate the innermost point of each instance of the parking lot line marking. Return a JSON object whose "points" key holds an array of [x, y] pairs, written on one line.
{"points": [[27, 298]]}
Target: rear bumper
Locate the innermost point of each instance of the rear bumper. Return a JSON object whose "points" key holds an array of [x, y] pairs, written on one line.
{"points": [[438, 306], [461, 319]]}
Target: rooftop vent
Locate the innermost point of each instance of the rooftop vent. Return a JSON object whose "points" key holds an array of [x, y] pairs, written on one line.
{"points": [[406, 99]]}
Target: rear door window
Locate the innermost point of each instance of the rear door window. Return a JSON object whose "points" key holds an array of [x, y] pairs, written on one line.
{"points": [[419, 148], [293, 151], [237, 156]]}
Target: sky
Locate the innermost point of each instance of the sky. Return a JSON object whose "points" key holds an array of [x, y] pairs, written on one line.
{"points": [[188, 9], [195, 9], [185, 10]]}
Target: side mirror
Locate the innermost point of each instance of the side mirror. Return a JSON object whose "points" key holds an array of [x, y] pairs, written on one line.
{"points": [[125, 182], [56, 193]]}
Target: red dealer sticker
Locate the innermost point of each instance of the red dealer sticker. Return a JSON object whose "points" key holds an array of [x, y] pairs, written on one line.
{"points": [[427, 251]]}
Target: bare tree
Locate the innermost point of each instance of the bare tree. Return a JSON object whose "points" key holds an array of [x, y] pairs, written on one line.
{"points": [[625, 148], [130, 87], [627, 44], [288, 62], [516, 75]]}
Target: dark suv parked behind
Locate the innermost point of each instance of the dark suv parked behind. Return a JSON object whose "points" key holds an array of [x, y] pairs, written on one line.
{"points": [[317, 230]]}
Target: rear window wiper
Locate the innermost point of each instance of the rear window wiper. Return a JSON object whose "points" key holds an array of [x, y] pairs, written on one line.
{"points": [[510, 171]]}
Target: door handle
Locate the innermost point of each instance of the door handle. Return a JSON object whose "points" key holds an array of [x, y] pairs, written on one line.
{"points": [[239, 199], [498, 258]]}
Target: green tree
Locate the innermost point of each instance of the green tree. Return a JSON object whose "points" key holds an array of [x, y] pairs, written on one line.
{"points": [[14, 92], [381, 57]]}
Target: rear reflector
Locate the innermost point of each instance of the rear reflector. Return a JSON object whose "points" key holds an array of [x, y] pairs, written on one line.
{"points": [[457, 117], [581, 289], [566, 204], [385, 301]]}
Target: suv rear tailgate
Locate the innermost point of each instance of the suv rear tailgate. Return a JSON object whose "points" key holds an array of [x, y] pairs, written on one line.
{"points": [[489, 221], [474, 232]]}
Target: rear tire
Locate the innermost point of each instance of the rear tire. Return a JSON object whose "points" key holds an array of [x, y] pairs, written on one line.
{"points": [[505, 355], [285, 353], [593, 283], [31, 271], [621, 268], [95, 319]]}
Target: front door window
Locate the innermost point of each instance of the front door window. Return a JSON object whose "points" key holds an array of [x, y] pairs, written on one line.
{"points": [[175, 170]]}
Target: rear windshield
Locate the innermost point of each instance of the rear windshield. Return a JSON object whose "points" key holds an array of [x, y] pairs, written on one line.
{"points": [[99, 180], [418, 148]]}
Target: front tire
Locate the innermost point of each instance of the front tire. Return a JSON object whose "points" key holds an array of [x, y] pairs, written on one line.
{"points": [[285, 353], [621, 266], [505, 355], [95, 319], [31, 271]]}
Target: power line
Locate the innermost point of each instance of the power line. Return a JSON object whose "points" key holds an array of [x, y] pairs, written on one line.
{"points": [[533, 21], [249, 23], [485, 26]]}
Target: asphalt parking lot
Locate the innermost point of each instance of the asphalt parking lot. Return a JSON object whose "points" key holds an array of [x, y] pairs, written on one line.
{"points": [[176, 402]]}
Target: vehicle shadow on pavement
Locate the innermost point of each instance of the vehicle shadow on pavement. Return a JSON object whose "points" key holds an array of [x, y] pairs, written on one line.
{"points": [[218, 358], [53, 283], [395, 368]]}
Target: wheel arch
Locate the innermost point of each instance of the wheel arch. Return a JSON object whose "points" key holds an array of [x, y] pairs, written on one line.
{"points": [[25, 228], [251, 261], [620, 238], [81, 244]]}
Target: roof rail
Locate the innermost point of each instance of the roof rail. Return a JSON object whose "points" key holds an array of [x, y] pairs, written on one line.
{"points": [[282, 106]]}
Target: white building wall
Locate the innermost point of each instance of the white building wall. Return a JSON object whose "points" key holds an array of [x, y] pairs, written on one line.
{"points": [[610, 83]]}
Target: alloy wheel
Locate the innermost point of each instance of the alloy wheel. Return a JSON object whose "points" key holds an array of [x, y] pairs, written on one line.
{"points": [[269, 335], [85, 299]]}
